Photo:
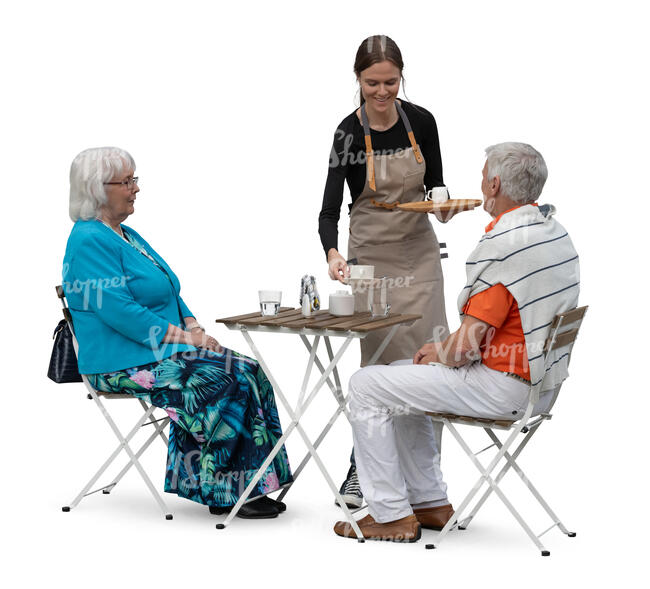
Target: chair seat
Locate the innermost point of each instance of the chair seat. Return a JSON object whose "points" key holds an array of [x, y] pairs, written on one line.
{"points": [[113, 395], [478, 421]]}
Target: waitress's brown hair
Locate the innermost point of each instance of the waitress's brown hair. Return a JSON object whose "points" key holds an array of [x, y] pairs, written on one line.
{"points": [[374, 50]]}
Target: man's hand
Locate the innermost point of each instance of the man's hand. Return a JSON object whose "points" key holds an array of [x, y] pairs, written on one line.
{"points": [[427, 353]]}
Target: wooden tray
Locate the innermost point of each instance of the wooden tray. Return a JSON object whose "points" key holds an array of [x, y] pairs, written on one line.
{"points": [[453, 204]]}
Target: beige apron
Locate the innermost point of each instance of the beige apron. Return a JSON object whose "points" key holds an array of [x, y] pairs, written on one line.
{"points": [[401, 245]]}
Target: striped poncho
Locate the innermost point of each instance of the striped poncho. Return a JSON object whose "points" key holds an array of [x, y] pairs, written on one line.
{"points": [[531, 254]]}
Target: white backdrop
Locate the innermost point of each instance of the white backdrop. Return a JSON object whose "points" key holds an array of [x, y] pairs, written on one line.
{"points": [[229, 111]]}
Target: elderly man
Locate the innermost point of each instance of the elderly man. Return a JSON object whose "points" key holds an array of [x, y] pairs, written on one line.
{"points": [[523, 272]]}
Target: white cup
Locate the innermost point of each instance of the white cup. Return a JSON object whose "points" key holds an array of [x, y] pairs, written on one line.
{"points": [[270, 301], [438, 194], [341, 303], [358, 272]]}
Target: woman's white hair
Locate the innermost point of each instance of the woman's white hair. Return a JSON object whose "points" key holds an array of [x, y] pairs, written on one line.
{"points": [[88, 172], [520, 167]]}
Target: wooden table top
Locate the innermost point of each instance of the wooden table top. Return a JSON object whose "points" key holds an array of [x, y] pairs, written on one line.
{"points": [[292, 319]]}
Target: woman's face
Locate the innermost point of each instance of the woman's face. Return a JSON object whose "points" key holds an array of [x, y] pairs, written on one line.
{"points": [[120, 197], [380, 84]]}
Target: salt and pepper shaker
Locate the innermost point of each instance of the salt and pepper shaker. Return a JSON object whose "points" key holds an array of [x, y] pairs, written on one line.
{"points": [[306, 306], [308, 287]]}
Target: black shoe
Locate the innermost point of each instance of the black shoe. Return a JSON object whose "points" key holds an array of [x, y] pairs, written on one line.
{"points": [[350, 490], [281, 507], [252, 510]]}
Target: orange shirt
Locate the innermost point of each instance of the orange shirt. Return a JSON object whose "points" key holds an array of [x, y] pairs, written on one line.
{"points": [[504, 346], [494, 221]]}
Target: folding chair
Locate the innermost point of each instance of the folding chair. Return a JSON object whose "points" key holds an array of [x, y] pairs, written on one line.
{"points": [[564, 331], [147, 418]]}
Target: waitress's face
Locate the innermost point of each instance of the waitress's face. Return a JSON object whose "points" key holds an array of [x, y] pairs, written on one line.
{"points": [[380, 85]]}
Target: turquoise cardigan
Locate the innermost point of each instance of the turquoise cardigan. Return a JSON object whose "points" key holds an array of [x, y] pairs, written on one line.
{"points": [[121, 303]]}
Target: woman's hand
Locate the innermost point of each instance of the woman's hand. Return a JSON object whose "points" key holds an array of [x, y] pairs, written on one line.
{"points": [[200, 339], [427, 353], [338, 267]]}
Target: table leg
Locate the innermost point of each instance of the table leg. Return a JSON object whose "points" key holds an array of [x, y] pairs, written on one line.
{"points": [[384, 344], [317, 442], [340, 398], [295, 424], [335, 372], [310, 364], [336, 389]]}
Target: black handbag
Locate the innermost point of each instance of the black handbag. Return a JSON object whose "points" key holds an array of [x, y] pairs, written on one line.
{"points": [[63, 363]]}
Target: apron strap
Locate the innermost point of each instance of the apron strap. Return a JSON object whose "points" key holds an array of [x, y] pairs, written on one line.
{"points": [[409, 130], [370, 162]]}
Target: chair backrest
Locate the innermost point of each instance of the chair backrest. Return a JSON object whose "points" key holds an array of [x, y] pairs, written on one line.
{"points": [[68, 317], [563, 334], [66, 312], [564, 329]]}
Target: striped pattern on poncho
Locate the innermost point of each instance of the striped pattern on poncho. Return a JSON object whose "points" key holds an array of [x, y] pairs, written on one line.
{"points": [[532, 255]]}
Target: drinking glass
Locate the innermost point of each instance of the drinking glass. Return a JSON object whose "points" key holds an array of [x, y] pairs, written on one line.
{"points": [[270, 301], [378, 300]]}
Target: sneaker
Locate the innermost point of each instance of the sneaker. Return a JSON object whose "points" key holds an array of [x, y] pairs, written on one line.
{"points": [[350, 490]]}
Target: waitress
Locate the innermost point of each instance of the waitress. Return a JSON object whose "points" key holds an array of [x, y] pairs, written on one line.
{"points": [[388, 152]]}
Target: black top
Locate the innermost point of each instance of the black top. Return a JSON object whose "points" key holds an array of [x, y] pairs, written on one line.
{"points": [[348, 161]]}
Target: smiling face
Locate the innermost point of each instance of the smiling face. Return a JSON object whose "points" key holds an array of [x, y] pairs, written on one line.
{"points": [[380, 84], [120, 198]]}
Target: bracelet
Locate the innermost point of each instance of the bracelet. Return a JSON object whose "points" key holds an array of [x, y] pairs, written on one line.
{"points": [[192, 326]]}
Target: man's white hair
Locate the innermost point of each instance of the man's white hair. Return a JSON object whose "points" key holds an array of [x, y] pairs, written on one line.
{"points": [[520, 167], [88, 172]]}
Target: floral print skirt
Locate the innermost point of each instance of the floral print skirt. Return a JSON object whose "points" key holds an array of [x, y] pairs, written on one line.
{"points": [[224, 422]]}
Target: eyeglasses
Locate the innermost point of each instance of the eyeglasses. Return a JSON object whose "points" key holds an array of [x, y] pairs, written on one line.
{"points": [[129, 182]]}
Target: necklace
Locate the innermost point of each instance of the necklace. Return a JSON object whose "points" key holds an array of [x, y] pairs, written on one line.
{"points": [[120, 232]]}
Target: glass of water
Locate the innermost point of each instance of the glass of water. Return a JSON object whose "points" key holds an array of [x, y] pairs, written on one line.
{"points": [[270, 301], [378, 300]]}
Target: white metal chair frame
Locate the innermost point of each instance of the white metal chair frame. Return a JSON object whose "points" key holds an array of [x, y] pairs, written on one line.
{"points": [[147, 418], [564, 331]]}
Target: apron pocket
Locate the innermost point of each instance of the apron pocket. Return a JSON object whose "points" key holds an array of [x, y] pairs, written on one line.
{"points": [[413, 189]]}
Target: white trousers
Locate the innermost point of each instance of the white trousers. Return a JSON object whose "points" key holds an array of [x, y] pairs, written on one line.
{"points": [[397, 447]]}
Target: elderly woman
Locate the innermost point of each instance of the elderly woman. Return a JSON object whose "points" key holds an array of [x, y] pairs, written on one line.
{"points": [[137, 336]]}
